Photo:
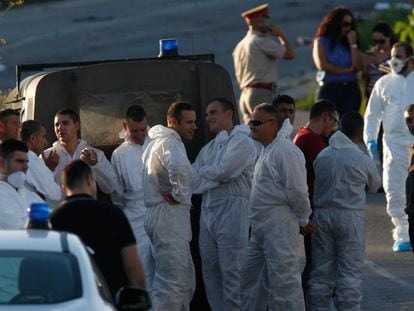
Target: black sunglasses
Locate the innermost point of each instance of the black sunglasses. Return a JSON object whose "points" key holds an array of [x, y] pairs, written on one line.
{"points": [[258, 122], [379, 41]]}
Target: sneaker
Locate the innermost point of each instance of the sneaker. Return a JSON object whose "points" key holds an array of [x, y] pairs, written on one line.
{"points": [[401, 246]]}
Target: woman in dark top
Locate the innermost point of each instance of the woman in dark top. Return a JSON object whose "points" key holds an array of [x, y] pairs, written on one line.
{"points": [[338, 59], [375, 60]]}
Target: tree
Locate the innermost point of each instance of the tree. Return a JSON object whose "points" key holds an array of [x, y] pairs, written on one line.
{"points": [[10, 4], [405, 29]]}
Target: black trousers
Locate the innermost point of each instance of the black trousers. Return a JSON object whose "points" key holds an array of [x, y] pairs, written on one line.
{"points": [[307, 238], [411, 232], [345, 96]]}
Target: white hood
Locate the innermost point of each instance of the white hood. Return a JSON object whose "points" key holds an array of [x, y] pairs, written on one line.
{"points": [[160, 131], [242, 128], [286, 128], [340, 141]]}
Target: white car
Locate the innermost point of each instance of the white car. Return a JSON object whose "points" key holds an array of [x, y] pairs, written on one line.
{"points": [[49, 270]]}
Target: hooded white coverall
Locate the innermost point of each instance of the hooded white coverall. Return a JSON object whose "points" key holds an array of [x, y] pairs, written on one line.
{"points": [[128, 166], [342, 171], [279, 203], [263, 300], [224, 226], [14, 205], [104, 174], [13, 216], [391, 94], [167, 170], [40, 178]]}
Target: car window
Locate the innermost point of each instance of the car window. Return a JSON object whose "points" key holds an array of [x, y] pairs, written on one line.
{"points": [[9, 270], [33, 277]]}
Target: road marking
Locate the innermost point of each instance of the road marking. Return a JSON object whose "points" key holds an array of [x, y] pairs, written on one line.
{"points": [[386, 274]]}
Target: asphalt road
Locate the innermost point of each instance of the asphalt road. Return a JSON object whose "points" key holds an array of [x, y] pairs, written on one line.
{"points": [[388, 278], [77, 30]]}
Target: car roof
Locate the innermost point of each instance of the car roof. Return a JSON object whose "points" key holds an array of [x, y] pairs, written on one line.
{"points": [[36, 240]]}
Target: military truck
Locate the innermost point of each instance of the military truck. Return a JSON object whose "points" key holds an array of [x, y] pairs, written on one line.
{"points": [[101, 91]]}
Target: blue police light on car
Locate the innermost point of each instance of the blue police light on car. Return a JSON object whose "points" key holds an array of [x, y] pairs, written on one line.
{"points": [[168, 47], [38, 216]]}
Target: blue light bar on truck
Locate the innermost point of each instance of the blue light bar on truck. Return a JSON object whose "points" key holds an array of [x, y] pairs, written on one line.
{"points": [[168, 47]]}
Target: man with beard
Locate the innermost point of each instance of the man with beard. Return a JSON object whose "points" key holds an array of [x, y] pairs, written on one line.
{"points": [[167, 196]]}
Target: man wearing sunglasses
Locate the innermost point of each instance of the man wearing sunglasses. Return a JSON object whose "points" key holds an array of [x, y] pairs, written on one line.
{"points": [[223, 173], [312, 139], [279, 203], [391, 94]]}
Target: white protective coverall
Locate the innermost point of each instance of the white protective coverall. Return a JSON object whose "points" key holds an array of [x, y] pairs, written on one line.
{"points": [[14, 205], [104, 173], [167, 170], [342, 171], [224, 226], [391, 94], [279, 204], [40, 179], [128, 166]]}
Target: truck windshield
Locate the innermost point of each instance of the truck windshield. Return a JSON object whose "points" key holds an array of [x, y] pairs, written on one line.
{"points": [[38, 277], [102, 114]]}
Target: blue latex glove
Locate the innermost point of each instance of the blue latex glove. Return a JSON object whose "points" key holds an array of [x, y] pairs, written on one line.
{"points": [[372, 149]]}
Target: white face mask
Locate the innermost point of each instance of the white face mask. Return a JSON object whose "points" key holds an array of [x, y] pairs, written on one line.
{"points": [[397, 64], [16, 179]]}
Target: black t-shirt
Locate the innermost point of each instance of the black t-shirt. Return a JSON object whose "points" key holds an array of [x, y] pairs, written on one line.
{"points": [[101, 226], [409, 191]]}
